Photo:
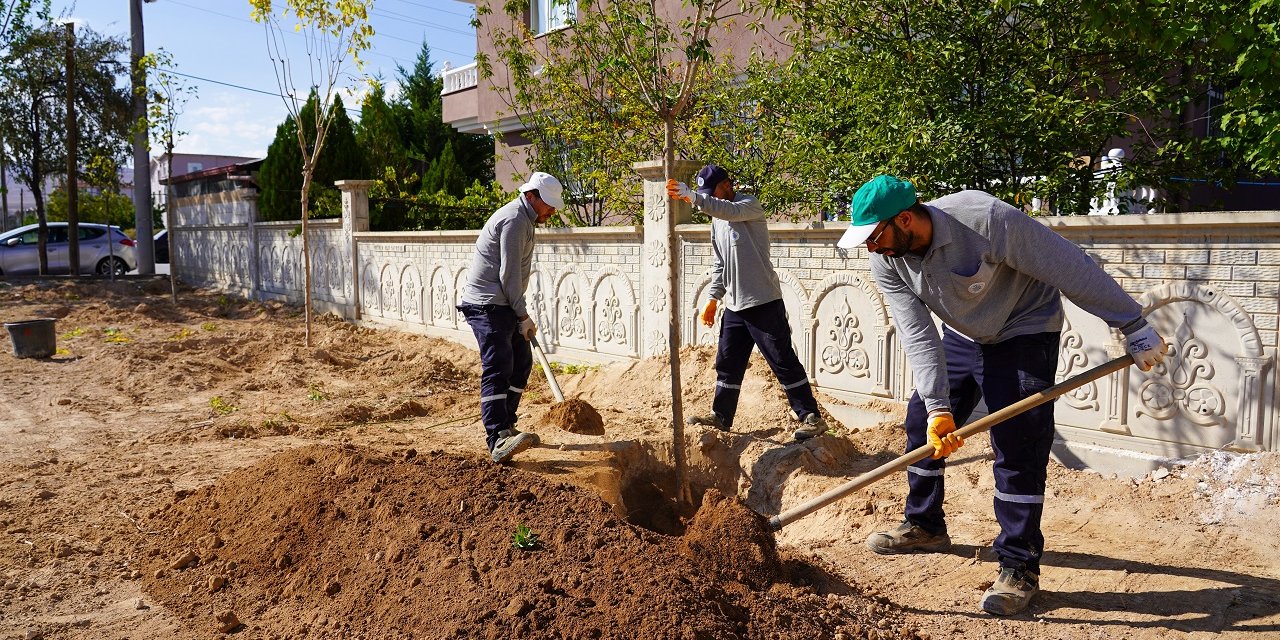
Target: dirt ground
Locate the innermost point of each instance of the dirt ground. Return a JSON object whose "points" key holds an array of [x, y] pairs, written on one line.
{"points": [[181, 471]]}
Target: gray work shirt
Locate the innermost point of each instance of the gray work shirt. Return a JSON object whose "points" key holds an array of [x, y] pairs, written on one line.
{"points": [[503, 260], [991, 273], [740, 249]]}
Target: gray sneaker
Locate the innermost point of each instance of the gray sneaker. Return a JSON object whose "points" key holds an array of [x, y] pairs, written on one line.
{"points": [[908, 538], [811, 427], [710, 420], [1011, 592], [510, 442]]}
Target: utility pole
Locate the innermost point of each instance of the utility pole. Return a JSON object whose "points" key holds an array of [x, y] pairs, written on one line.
{"points": [[4, 187], [73, 178], [141, 156]]}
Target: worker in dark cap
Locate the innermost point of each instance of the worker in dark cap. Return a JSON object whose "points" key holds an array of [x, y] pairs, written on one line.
{"points": [[754, 315]]}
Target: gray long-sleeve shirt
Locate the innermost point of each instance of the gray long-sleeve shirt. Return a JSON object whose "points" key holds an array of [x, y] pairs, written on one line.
{"points": [[991, 273], [503, 260], [740, 250]]}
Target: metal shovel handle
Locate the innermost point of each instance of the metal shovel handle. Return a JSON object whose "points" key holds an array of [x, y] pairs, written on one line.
{"points": [[978, 426], [546, 368]]}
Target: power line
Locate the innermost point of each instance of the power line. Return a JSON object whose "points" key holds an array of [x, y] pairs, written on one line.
{"points": [[398, 62], [422, 23], [429, 7], [241, 87]]}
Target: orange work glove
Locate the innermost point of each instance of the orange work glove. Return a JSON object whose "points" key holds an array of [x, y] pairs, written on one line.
{"points": [[708, 313], [944, 442], [679, 191]]}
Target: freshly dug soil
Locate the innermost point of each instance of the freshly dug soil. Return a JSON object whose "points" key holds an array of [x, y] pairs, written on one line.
{"points": [[576, 416], [329, 541], [727, 539]]}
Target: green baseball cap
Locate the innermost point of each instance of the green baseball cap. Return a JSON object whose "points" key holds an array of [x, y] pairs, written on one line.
{"points": [[881, 198]]}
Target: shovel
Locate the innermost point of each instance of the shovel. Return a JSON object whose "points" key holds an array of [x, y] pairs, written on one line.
{"points": [[795, 513], [546, 368]]}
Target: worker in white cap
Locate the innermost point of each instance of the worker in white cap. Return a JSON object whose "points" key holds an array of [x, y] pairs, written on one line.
{"points": [[493, 303]]}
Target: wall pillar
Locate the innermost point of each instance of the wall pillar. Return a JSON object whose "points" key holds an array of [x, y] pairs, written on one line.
{"points": [[251, 247], [355, 219], [655, 272]]}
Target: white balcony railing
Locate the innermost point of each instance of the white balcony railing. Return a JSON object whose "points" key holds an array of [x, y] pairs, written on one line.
{"points": [[464, 77]]}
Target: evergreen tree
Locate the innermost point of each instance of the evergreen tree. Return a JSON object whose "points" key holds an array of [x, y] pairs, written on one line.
{"points": [[445, 175], [342, 158], [280, 177], [419, 114], [378, 136], [281, 174]]}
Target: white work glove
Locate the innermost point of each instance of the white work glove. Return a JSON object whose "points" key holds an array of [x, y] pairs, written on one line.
{"points": [[527, 328], [679, 191], [1147, 348]]}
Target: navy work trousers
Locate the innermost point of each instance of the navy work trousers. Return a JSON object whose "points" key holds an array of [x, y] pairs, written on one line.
{"points": [[505, 362], [1002, 373], [764, 326]]}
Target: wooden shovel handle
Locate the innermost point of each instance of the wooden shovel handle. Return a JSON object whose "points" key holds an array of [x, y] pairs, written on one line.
{"points": [[546, 368]]}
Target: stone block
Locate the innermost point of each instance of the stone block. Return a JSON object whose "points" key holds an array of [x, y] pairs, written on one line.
{"points": [[1167, 271], [1234, 256], [1144, 256]]}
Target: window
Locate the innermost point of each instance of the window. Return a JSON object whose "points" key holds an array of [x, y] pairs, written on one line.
{"points": [[193, 167], [89, 233], [549, 15], [1213, 120]]}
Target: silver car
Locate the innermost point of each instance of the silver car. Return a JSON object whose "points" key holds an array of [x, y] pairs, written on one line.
{"points": [[19, 251]]}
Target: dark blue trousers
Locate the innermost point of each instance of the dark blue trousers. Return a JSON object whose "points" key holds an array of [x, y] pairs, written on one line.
{"points": [[1002, 373], [764, 326], [505, 362]]}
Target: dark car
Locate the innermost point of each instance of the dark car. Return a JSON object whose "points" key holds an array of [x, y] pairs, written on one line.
{"points": [[161, 242]]}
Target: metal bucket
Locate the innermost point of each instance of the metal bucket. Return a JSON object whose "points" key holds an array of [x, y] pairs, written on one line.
{"points": [[33, 338]]}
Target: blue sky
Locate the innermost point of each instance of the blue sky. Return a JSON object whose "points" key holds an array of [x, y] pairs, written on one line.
{"points": [[216, 40]]}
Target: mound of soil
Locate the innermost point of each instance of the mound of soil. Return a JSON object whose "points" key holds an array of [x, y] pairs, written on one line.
{"points": [[327, 541], [726, 538], [576, 416]]}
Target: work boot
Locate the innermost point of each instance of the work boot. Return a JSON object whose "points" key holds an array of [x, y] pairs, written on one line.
{"points": [[510, 442], [908, 538], [1011, 592], [811, 427], [710, 420]]}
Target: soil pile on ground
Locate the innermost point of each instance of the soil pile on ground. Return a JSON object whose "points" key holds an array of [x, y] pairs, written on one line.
{"points": [[576, 416], [727, 539], [327, 541]]}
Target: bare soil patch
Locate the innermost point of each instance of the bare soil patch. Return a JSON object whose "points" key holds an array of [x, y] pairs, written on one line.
{"points": [[161, 429]]}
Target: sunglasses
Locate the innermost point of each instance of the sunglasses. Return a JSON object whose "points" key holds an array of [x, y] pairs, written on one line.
{"points": [[875, 239]]}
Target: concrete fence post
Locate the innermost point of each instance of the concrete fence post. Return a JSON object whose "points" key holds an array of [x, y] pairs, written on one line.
{"points": [[355, 219], [655, 274]]}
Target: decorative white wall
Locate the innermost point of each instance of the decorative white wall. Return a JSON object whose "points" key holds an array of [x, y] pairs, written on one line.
{"points": [[1209, 282]]}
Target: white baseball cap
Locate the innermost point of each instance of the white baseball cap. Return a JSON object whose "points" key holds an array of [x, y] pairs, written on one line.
{"points": [[548, 188]]}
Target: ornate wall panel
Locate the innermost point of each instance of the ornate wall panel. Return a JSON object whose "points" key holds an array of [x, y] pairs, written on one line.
{"points": [[851, 336]]}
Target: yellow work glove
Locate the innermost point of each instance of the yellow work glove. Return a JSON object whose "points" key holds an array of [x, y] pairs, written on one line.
{"points": [[679, 191], [941, 426], [708, 313]]}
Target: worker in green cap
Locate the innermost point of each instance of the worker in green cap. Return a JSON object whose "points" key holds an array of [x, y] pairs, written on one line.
{"points": [[995, 277]]}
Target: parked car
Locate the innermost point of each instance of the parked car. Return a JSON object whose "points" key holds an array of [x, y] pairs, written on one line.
{"points": [[19, 250], [161, 242]]}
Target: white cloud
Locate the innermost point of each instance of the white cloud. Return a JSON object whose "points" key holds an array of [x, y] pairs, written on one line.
{"points": [[225, 123]]}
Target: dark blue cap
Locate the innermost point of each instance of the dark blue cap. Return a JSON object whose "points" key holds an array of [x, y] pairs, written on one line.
{"points": [[710, 176]]}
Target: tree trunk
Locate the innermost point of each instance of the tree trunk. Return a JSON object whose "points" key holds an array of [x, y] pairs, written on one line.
{"points": [[73, 179], [4, 189], [683, 493], [169, 201], [307, 170]]}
